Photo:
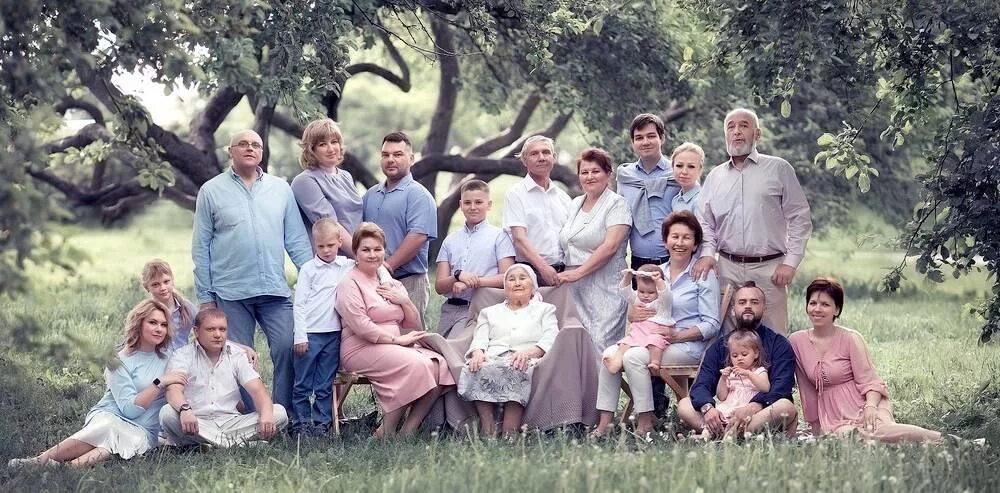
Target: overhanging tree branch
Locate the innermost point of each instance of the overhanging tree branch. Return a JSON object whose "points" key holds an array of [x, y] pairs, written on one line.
{"points": [[204, 125], [92, 109], [82, 138], [199, 165], [512, 133]]}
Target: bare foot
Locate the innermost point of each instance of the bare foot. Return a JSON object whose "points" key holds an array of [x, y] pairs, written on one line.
{"points": [[599, 432], [613, 364]]}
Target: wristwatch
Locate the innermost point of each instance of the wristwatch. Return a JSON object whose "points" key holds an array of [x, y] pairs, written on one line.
{"points": [[457, 273], [184, 407], [156, 381], [706, 407]]}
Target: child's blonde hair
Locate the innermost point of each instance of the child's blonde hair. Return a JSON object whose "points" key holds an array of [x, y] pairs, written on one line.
{"points": [[157, 268], [325, 224], [647, 282], [749, 339]]}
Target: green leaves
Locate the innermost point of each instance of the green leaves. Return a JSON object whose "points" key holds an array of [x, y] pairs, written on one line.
{"points": [[841, 157], [786, 108]]}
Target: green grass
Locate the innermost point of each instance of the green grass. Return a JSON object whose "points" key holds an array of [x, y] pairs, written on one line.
{"points": [[922, 343]]}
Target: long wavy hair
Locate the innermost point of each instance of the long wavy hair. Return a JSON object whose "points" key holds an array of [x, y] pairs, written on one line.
{"points": [[132, 333]]}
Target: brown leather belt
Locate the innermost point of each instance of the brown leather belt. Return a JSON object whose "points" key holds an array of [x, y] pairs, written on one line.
{"points": [[740, 259]]}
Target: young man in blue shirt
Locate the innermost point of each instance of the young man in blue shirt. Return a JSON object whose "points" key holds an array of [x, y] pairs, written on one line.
{"points": [[407, 213]]}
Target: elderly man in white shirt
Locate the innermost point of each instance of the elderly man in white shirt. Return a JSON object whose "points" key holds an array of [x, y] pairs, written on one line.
{"points": [[204, 409], [535, 211], [755, 217]]}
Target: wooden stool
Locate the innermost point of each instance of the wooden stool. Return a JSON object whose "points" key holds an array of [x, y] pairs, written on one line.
{"points": [[342, 384]]}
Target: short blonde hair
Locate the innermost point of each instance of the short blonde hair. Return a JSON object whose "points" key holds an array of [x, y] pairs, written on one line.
{"points": [[325, 224], [367, 230], [689, 147], [157, 268], [318, 131]]}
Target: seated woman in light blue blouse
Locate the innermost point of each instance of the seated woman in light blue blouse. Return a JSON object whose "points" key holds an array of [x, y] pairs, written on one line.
{"points": [[696, 311], [126, 420]]}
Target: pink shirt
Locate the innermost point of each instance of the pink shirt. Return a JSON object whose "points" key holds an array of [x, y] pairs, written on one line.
{"points": [[759, 210], [365, 316]]}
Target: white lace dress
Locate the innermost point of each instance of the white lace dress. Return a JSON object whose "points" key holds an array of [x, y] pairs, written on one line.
{"points": [[598, 302]]}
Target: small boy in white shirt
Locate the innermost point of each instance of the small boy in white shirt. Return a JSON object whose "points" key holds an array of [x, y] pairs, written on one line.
{"points": [[317, 331]]}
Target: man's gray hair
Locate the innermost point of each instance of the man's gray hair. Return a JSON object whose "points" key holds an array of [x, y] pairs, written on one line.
{"points": [[530, 141], [745, 111]]}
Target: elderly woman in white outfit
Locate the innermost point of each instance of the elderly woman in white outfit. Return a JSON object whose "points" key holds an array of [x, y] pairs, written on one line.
{"points": [[510, 337]]}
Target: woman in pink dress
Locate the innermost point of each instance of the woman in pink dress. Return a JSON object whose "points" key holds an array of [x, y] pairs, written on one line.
{"points": [[840, 389], [380, 329]]}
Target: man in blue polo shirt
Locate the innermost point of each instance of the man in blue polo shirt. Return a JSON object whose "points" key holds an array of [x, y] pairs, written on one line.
{"points": [[772, 409], [244, 222], [406, 211]]}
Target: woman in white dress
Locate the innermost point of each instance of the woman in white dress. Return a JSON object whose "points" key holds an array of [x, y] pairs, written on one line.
{"points": [[593, 242], [126, 420]]}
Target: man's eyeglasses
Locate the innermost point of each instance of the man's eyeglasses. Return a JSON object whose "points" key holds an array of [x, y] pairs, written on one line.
{"points": [[243, 144]]}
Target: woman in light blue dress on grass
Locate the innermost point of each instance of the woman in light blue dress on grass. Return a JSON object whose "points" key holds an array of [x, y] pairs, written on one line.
{"points": [[126, 420]]}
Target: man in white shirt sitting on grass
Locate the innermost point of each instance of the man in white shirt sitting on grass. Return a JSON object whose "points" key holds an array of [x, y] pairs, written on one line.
{"points": [[204, 410]]}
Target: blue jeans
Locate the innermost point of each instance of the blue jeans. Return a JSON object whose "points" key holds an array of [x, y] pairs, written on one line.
{"points": [[314, 373], [274, 314]]}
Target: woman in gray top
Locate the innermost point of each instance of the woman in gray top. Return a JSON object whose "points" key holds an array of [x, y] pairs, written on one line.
{"points": [[322, 189]]}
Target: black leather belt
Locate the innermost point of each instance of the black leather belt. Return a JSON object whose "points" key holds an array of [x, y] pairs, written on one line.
{"points": [[457, 301], [408, 274], [558, 266], [643, 260], [740, 259]]}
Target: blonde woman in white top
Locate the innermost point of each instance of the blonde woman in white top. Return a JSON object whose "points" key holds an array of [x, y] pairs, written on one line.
{"points": [[510, 337]]}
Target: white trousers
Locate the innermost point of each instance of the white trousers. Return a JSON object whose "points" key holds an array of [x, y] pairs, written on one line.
{"points": [[639, 380], [220, 431]]}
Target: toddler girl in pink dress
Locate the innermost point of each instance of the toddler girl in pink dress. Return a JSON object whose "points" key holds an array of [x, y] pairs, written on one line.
{"points": [[653, 292], [743, 378]]}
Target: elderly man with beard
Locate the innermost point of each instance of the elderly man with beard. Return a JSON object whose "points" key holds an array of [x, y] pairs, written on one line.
{"points": [[772, 409], [755, 217]]}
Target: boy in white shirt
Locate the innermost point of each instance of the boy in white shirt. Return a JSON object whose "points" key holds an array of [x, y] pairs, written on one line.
{"points": [[470, 258], [317, 331]]}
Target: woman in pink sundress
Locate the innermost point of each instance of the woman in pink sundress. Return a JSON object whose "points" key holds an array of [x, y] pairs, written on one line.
{"points": [[380, 329], [840, 389]]}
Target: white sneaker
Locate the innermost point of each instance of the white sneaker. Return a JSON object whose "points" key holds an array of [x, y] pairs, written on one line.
{"points": [[25, 462]]}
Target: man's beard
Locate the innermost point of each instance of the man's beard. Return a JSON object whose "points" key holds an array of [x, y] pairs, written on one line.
{"points": [[743, 150], [748, 324]]}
